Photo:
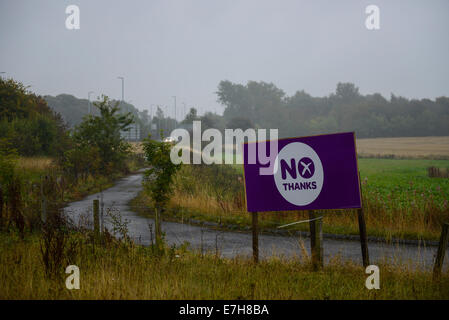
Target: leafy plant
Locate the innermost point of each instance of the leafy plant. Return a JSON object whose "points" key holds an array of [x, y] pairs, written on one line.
{"points": [[57, 248], [98, 145], [159, 177]]}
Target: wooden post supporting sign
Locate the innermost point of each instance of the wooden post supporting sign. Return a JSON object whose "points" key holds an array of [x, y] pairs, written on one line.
{"points": [[442, 246], [316, 240], [363, 237], [255, 228], [362, 230]]}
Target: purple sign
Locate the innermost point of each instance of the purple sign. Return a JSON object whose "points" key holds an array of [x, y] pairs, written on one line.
{"points": [[308, 173]]}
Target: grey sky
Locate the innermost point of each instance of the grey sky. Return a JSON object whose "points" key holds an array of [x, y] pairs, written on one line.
{"points": [[185, 47]]}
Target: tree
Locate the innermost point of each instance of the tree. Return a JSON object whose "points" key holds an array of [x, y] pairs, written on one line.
{"points": [[28, 123], [239, 123], [346, 91], [266, 106], [191, 116], [103, 133], [159, 178]]}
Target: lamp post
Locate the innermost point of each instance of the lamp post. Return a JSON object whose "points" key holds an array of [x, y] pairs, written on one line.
{"points": [[158, 122], [151, 110], [167, 120], [123, 88], [174, 97], [151, 117], [89, 105]]}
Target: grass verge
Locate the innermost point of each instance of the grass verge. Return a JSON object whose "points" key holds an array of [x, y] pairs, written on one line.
{"points": [[126, 271]]}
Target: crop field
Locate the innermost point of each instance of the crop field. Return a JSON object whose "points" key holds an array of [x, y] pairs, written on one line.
{"points": [[407, 181], [408, 147]]}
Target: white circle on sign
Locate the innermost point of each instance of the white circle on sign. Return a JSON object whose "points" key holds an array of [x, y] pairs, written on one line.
{"points": [[298, 173]]}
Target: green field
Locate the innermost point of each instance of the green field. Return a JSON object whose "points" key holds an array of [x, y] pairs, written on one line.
{"points": [[405, 181], [384, 172], [399, 198]]}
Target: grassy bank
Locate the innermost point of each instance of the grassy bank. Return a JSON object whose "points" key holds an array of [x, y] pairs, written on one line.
{"points": [[29, 181], [400, 200], [126, 271], [32, 169]]}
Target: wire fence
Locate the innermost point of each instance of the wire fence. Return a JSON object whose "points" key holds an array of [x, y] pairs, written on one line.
{"points": [[202, 236]]}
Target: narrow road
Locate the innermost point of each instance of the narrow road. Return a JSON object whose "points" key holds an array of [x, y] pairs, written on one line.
{"points": [[231, 244]]}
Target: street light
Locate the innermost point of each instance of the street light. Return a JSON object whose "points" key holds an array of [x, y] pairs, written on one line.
{"points": [[151, 110], [123, 88], [184, 109], [88, 101], [174, 97], [158, 121], [167, 119]]}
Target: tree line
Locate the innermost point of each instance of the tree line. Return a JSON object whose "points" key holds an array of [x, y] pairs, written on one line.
{"points": [[263, 105], [73, 110]]}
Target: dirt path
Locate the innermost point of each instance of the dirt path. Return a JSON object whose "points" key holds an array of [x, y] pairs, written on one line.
{"points": [[231, 244]]}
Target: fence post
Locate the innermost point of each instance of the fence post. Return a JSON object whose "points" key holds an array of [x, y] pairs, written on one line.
{"points": [[201, 241], [316, 240], [101, 212], [1, 207], [96, 207], [43, 202], [255, 229], [442, 246], [157, 229]]}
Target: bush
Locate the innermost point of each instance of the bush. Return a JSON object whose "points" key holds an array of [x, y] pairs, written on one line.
{"points": [[28, 123]]}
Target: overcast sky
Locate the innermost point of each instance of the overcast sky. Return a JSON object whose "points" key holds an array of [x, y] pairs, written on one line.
{"points": [[186, 47]]}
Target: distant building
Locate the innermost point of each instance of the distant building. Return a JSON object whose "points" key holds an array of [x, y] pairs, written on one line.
{"points": [[133, 133]]}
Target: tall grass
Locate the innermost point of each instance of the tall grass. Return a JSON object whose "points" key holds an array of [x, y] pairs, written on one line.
{"points": [[122, 270]]}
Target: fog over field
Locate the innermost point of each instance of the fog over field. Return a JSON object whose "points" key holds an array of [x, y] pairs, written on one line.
{"points": [[185, 48]]}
